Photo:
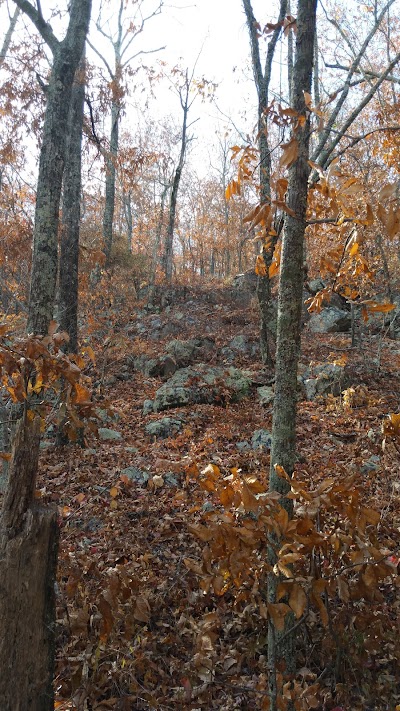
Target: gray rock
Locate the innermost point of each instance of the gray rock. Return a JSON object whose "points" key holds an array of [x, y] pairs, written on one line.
{"points": [[266, 395], [107, 416], [330, 320], [147, 366], [135, 474], [323, 379], [170, 479], [243, 446], [261, 439], [246, 281], [201, 384], [147, 407], [184, 352], [106, 434], [239, 343], [315, 285], [310, 388], [166, 427], [371, 465]]}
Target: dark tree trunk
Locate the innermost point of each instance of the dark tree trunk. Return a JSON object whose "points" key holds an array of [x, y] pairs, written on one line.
{"points": [[169, 238], [28, 561], [69, 253], [66, 57]]}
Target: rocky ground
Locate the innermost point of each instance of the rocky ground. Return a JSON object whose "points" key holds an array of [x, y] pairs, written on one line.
{"points": [[178, 387]]}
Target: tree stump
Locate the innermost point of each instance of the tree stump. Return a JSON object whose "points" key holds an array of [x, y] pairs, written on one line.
{"points": [[28, 563]]}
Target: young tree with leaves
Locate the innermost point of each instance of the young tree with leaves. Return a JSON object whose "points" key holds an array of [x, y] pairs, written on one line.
{"points": [[283, 452]]}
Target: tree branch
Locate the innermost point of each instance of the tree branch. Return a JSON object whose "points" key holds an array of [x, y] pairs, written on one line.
{"points": [[316, 156], [41, 25]]}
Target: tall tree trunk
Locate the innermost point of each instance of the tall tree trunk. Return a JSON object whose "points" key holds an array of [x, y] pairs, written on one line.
{"points": [[169, 238], [127, 203], [69, 252], [262, 79], [66, 57], [28, 562], [281, 644], [109, 208]]}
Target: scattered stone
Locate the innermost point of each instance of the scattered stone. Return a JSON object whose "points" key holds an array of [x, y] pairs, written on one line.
{"points": [[330, 320], [371, 465], [261, 439], [147, 407], [137, 475], [246, 281], [106, 434], [166, 427], [323, 379], [202, 384], [315, 285], [106, 415], [243, 446], [266, 395], [184, 352], [132, 450]]}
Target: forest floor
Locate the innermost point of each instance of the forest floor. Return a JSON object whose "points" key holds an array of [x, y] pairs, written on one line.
{"points": [[135, 630]]}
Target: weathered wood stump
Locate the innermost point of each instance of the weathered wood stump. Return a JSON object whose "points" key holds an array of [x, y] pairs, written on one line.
{"points": [[28, 562]]}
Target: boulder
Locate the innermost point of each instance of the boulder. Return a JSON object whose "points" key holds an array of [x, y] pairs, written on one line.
{"points": [[166, 427], [323, 379], [246, 281], [266, 395], [330, 320], [202, 384], [106, 434], [184, 352], [261, 439]]}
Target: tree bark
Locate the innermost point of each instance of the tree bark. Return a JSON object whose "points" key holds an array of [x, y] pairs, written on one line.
{"points": [[281, 644], [262, 81], [69, 251], [66, 57], [169, 238], [28, 561], [109, 207]]}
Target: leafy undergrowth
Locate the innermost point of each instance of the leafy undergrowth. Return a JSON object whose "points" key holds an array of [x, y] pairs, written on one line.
{"points": [[146, 618]]}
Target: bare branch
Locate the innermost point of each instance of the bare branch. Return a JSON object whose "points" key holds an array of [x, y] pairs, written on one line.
{"points": [[318, 153], [367, 72], [142, 51], [324, 157], [9, 33], [103, 59], [41, 25]]}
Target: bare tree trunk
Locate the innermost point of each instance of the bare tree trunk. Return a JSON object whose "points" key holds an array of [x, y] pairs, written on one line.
{"points": [[69, 253], [66, 57], [262, 80], [9, 34], [169, 238], [127, 203], [281, 644], [109, 208], [28, 561]]}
